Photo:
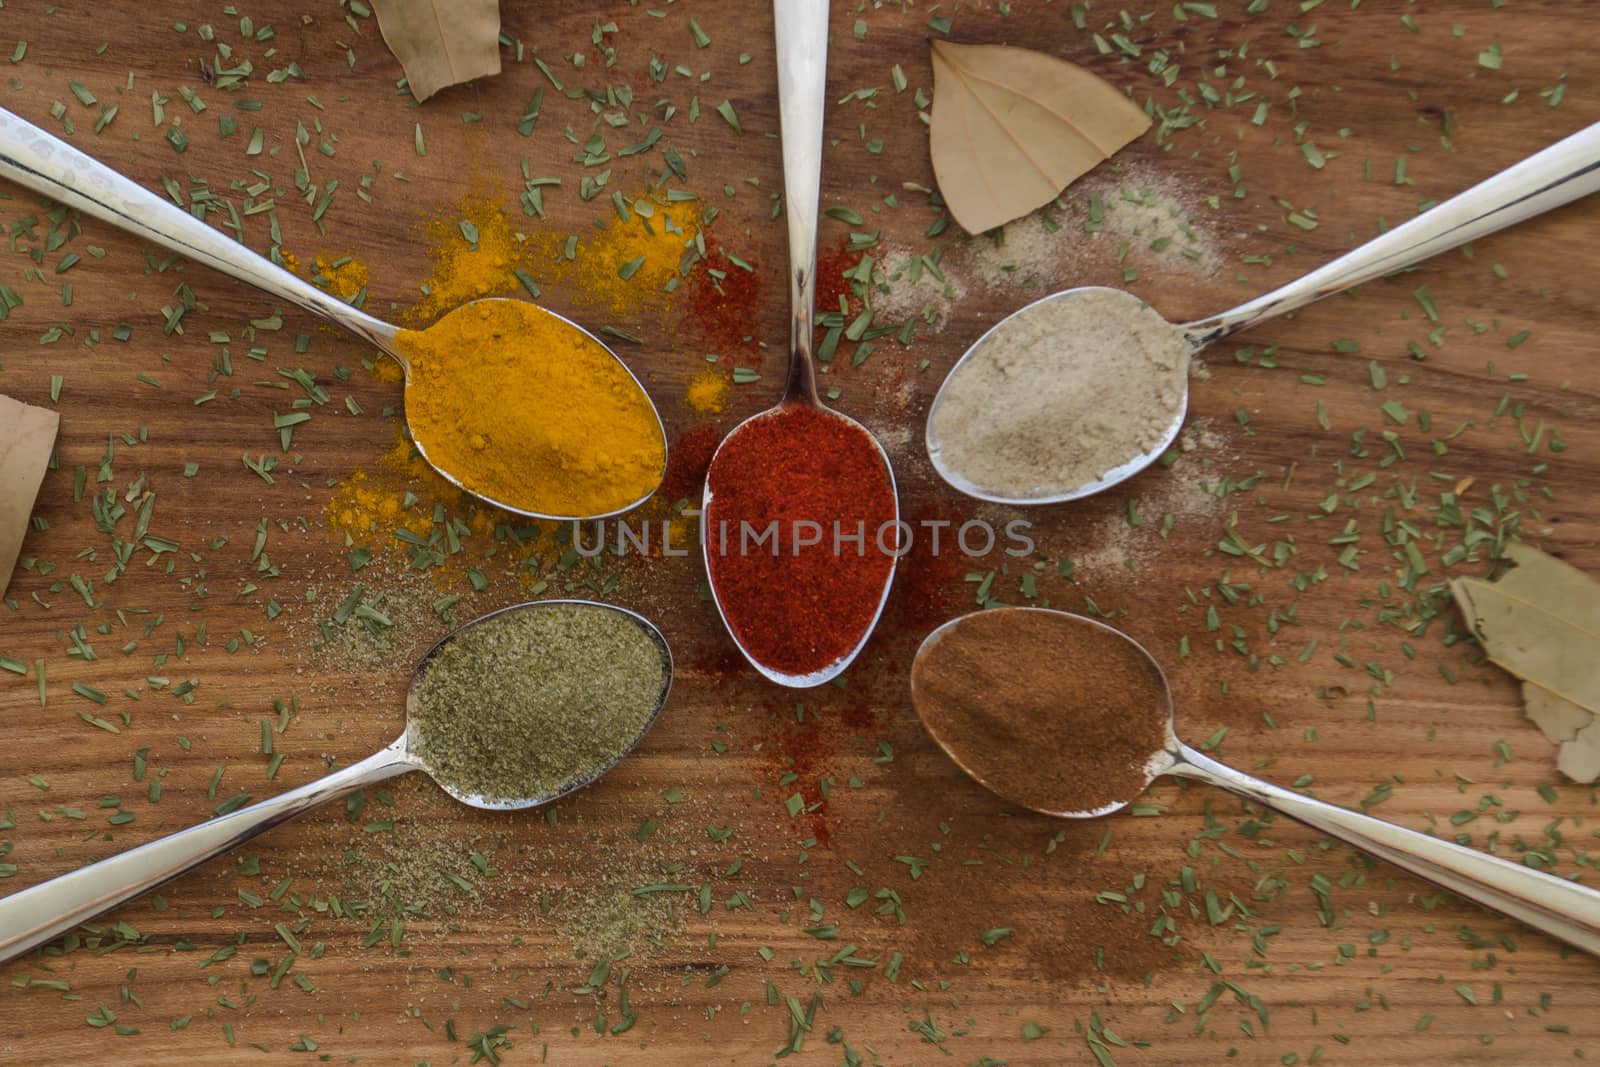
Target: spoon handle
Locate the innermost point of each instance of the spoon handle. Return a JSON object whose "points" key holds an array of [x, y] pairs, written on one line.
{"points": [[42, 913], [1564, 910], [1554, 176], [801, 31], [50, 167]]}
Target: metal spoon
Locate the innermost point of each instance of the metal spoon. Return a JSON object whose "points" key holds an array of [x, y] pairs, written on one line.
{"points": [[50, 167], [801, 28], [1563, 909], [1557, 175], [41, 913]]}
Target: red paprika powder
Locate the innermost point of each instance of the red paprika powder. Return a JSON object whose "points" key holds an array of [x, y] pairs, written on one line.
{"points": [[800, 537], [832, 266], [725, 299]]}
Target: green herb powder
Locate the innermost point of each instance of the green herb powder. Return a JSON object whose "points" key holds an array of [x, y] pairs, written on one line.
{"points": [[530, 702]]}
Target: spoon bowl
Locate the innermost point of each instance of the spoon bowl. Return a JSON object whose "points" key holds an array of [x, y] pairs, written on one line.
{"points": [[1183, 345], [1557, 175], [577, 781], [801, 30], [1561, 908], [828, 672], [389, 348], [39, 914], [50, 167], [987, 767]]}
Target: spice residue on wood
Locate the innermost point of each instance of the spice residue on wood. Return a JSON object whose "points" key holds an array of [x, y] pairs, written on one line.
{"points": [[708, 391], [533, 701], [1114, 228], [476, 253], [1054, 712], [725, 299]]}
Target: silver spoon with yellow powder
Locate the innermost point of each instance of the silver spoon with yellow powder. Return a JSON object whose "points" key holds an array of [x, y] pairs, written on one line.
{"points": [[1087, 387], [515, 709], [513, 403]]}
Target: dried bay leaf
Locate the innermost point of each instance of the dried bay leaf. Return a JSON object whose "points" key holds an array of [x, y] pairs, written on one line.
{"points": [[1541, 622], [1580, 757], [1559, 718], [1012, 127], [27, 434], [441, 42]]}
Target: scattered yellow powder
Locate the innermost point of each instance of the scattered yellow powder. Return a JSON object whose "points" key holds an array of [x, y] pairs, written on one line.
{"points": [[708, 391], [344, 276], [400, 493], [632, 262], [363, 504], [476, 253], [388, 370]]}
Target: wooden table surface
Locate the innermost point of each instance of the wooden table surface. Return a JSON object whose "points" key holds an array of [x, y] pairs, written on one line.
{"points": [[1319, 670]]}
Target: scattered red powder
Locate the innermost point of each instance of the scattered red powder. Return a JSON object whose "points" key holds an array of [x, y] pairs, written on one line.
{"points": [[925, 584], [800, 748], [687, 461], [719, 661], [832, 266], [726, 305]]}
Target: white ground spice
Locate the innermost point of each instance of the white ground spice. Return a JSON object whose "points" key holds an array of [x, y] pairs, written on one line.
{"points": [[906, 287], [1130, 216], [1058, 396]]}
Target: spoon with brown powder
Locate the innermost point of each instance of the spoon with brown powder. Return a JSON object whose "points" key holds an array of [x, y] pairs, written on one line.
{"points": [[513, 403], [513, 710], [1085, 388], [1068, 717]]}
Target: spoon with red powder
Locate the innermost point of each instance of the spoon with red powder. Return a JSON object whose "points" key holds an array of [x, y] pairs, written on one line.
{"points": [[799, 522], [1068, 717]]}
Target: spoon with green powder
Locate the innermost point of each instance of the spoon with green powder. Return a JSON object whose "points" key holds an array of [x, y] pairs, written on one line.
{"points": [[1067, 717], [515, 709], [512, 403], [1085, 388]]}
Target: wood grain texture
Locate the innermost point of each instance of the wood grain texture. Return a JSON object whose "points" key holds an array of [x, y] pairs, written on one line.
{"points": [[1311, 687]]}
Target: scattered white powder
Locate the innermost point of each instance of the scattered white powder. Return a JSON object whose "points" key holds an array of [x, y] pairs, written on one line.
{"points": [[911, 286], [1135, 217], [1057, 396]]}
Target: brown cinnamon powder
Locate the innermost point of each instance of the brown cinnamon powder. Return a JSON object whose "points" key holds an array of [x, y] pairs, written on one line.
{"points": [[1052, 711]]}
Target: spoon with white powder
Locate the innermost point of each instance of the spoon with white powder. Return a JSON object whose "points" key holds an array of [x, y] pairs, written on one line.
{"points": [[1087, 387]]}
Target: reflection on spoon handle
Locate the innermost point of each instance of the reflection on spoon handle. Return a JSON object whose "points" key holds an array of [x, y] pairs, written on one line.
{"points": [[41, 913], [50, 167], [1562, 909], [801, 29], [1565, 171]]}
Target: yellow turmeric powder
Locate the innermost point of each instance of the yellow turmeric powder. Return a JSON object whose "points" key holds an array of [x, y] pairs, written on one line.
{"points": [[528, 413], [633, 260], [362, 504], [401, 492], [344, 277], [707, 392], [476, 253]]}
